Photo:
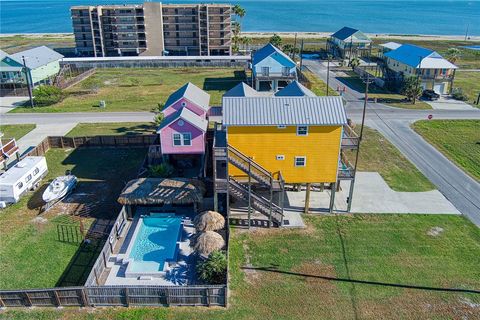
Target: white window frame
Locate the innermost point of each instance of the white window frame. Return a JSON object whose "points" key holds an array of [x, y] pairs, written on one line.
{"points": [[298, 131], [182, 139], [280, 157], [304, 161], [281, 126]]}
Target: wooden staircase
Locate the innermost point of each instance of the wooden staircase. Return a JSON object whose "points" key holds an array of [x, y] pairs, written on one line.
{"points": [[273, 212]]}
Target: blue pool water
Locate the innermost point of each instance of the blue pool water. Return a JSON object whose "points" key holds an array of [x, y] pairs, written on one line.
{"points": [[155, 242]]}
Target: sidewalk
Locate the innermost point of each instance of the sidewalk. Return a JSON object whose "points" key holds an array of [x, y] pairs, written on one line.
{"points": [[34, 137]]}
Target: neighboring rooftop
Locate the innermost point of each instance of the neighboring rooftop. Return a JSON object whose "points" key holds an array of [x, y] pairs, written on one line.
{"points": [[295, 89], [37, 57], [269, 50], [419, 57], [391, 45], [192, 93], [355, 34], [265, 111], [186, 115], [241, 90]]}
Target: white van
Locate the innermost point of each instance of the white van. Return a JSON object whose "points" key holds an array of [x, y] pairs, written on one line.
{"points": [[21, 178]]}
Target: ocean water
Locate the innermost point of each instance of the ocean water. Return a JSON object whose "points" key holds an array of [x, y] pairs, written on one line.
{"points": [[442, 17]]}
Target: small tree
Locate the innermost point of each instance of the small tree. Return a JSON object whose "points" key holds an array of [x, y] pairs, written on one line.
{"points": [[411, 88], [214, 269], [453, 54], [47, 95], [355, 62], [162, 170], [459, 94], [158, 118], [290, 49], [276, 40]]}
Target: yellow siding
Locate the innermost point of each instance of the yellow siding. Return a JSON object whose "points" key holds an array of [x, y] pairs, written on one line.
{"points": [[263, 144]]}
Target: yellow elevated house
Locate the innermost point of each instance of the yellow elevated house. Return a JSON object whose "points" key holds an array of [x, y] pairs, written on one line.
{"points": [[272, 141], [297, 136]]}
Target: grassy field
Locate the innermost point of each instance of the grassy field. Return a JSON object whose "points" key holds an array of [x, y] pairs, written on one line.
{"points": [[112, 129], [317, 273], [13, 44], [470, 83], [353, 80], [15, 130], [318, 86], [33, 253], [141, 89], [459, 140], [378, 154]]}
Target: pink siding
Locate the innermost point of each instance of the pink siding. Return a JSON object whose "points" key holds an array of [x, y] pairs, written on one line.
{"points": [[166, 139], [189, 105]]}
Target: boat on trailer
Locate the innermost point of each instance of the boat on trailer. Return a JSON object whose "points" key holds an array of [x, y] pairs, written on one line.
{"points": [[59, 188]]}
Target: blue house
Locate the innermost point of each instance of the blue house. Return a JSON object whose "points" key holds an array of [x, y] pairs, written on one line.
{"points": [[272, 69], [349, 43]]}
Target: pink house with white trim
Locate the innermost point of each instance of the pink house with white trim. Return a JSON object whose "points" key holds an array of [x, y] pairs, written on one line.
{"points": [[183, 130]]}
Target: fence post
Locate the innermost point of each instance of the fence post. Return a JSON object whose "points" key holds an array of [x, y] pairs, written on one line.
{"points": [[57, 299], [127, 299], [167, 296], [104, 259], [84, 297], [28, 298], [96, 276], [207, 296], [61, 142], [2, 304]]}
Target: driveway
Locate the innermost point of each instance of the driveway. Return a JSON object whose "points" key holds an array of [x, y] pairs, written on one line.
{"points": [[9, 103], [447, 103]]}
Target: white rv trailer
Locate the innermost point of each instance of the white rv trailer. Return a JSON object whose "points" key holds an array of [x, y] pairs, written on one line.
{"points": [[21, 178]]}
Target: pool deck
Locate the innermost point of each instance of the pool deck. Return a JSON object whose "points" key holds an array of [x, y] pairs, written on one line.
{"points": [[180, 274]]}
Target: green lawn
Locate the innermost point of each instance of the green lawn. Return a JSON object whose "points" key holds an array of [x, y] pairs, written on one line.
{"points": [[308, 273], [141, 89], [383, 96], [459, 140], [470, 83], [15, 130], [33, 253], [317, 85], [378, 154], [112, 129]]}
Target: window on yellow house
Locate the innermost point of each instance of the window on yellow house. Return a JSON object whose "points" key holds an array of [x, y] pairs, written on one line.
{"points": [[300, 161], [302, 130]]}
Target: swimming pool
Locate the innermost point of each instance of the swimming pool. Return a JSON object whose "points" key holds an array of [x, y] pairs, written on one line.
{"points": [[154, 243]]}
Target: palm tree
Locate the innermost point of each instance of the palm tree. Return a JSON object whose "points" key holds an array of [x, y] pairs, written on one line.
{"points": [[453, 54], [276, 40], [239, 11], [355, 62], [246, 41]]}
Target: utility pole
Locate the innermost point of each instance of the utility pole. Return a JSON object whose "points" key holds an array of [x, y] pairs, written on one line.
{"points": [[294, 47], [27, 78], [352, 183], [418, 79], [301, 56], [328, 71]]}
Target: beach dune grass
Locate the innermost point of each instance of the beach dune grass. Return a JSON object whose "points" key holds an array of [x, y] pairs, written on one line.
{"points": [[322, 272], [458, 140], [469, 81], [140, 89]]}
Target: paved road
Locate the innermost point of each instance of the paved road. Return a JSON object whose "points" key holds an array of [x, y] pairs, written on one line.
{"points": [[394, 123]]}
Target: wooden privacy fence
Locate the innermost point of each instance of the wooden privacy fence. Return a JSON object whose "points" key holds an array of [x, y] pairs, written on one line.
{"points": [[93, 141], [116, 296]]}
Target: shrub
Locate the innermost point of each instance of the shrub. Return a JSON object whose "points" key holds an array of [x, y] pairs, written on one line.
{"points": [[163, 170], [47, 95], [458, 94], [159, 118], [214, 269]]}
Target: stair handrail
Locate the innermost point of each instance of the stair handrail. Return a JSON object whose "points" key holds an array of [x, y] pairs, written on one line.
{"points": [[257, 166], [257, 196]]}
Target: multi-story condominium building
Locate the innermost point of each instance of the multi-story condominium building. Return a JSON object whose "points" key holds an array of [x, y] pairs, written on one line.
{"points": [[152, 29]]}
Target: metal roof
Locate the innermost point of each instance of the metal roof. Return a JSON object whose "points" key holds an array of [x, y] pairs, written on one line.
{"points": [[37, 57], [273, 111], [241, 90], [192, 93], [415, 56], [267, 51], [295, 89], [186, 115], [159, 58], [391, 45], [347, 32]]}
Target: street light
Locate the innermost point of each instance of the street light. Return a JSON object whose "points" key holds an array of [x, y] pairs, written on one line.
{"points": [[27, 78], [328, 71]]}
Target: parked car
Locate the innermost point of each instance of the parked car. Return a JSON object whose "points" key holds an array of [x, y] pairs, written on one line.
{"points": [[430, 95]]}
